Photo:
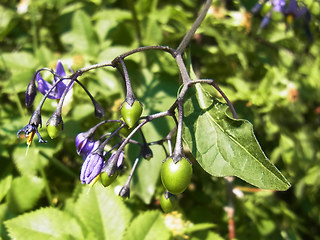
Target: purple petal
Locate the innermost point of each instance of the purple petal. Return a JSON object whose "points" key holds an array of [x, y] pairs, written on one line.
{"points": [[256, 8], [266, 20], [61, 86], [44, 87], [60, 69], [120, 158], [294, 9], [278, 5]]}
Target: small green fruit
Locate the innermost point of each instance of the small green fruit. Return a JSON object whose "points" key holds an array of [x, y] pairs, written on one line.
{"points": [[54, 131], [107, 180], [168, 204], [131, 114], [176, 177]]}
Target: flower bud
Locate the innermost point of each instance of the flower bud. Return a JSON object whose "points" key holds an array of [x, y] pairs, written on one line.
{"points": [[31, 93], [125, 192], [107, 180], [91, 168], [168, 202]]}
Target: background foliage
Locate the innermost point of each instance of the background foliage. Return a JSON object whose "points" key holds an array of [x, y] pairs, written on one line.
{"points": [[271, 76]]}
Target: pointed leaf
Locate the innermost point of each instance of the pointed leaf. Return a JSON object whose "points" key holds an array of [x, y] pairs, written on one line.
{"points": [[224, 146], [24, 193], [5, 184], [148, 226], [103, 212], [46, 223]]}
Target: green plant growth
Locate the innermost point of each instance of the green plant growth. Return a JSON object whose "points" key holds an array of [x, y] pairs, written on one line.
{"points": [[148, 100]]}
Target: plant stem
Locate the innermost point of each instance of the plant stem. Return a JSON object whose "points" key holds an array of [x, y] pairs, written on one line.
{"points": [[183, 70], [215, 85], [130, 97], [187, 38], [177, 153], [230, 208]]}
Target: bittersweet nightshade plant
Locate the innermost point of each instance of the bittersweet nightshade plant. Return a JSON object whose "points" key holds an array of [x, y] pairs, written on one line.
{"points": [[229, 148]]}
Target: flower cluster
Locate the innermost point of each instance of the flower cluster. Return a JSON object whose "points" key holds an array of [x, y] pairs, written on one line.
{"points": [[57, 90], [291, 11], [98, 163], [94, 157]]}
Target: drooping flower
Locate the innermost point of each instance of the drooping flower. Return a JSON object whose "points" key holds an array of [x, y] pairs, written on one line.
{"points": [[44, 86], [32, 128], [91, 168], [29, 131], [293, 10], [85, 144]]}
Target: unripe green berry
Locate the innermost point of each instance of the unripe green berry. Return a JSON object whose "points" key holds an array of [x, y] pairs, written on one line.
{"points": [[54, 131], [107, 180], [176, 177], [131, 114], [168, 204]]}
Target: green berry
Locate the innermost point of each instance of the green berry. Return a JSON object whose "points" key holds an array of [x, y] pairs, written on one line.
{"points": [[168, 204], [131, 114], [54, 131], [107, 180], [176, 177]]}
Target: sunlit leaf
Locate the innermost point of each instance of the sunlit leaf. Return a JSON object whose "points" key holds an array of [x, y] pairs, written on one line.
{"points": [[25, 192], [148, 226], [46, 223], [224, 146], [103, 212]]}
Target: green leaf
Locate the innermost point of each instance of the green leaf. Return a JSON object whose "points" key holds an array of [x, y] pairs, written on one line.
{"points": [[28, 162], [46, 223], [5, 184], [24, 193], [102, 212], [224, 146], [83, 37], [148, 225]]}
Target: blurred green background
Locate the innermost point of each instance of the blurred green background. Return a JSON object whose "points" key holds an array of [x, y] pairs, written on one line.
{"points": [[271, 75]]}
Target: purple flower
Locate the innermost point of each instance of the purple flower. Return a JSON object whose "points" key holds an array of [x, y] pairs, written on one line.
{"points": [[294, 10], [278, 5], [44, 86], [85, 144], [91, 168]]}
